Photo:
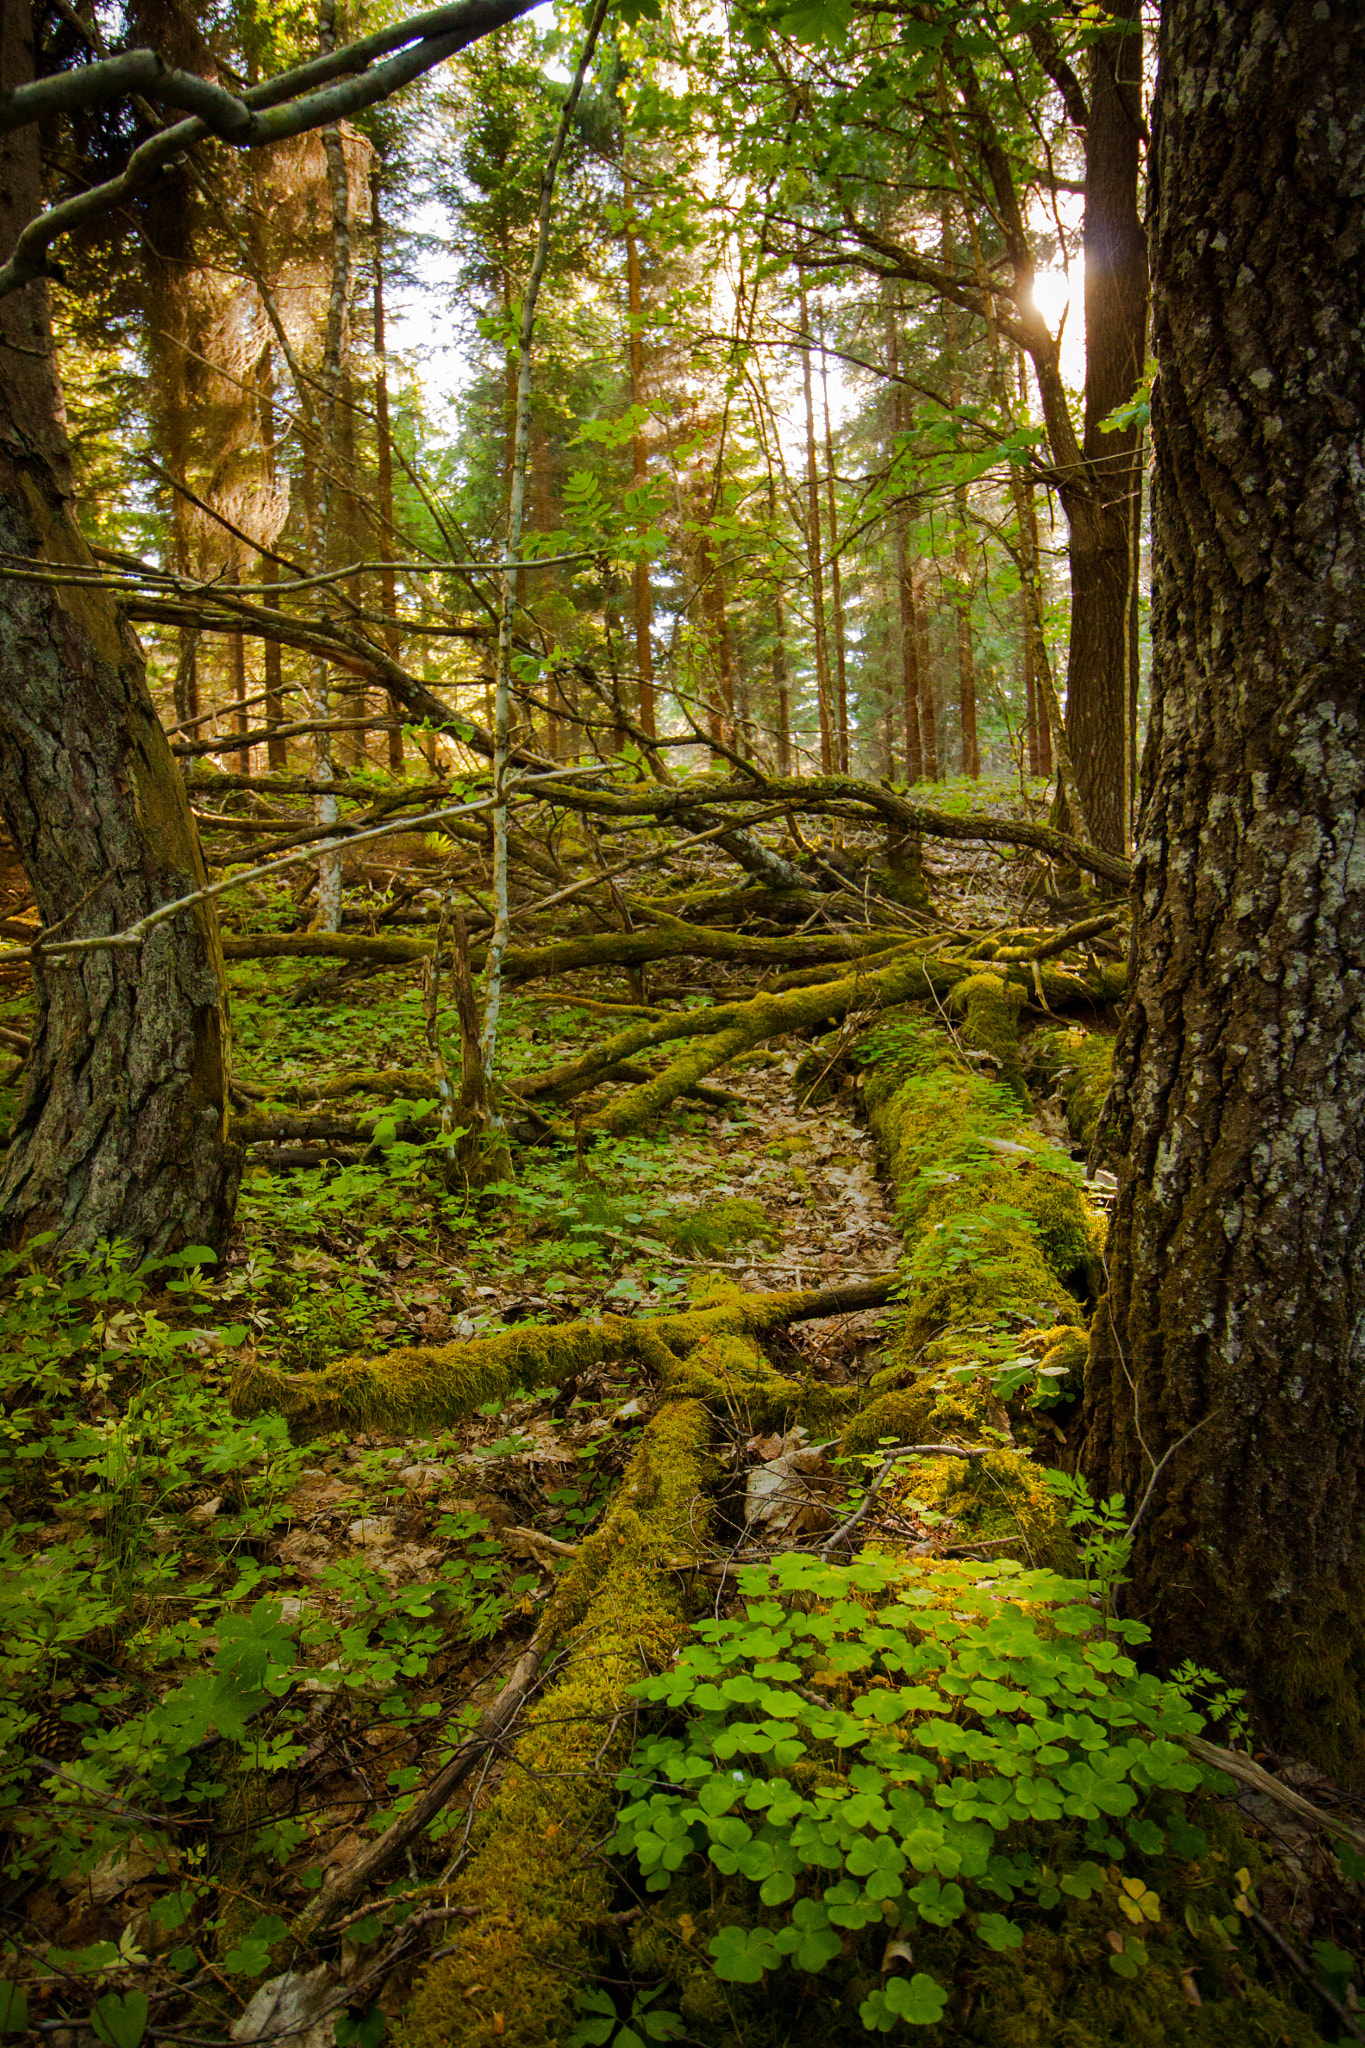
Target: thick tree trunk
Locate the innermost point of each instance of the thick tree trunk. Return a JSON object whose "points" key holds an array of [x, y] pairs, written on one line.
{"points": [[1101, 662], [122, 1130], [1238, 1294]]}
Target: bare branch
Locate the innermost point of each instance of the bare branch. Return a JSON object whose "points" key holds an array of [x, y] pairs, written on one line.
{"points": [[279, 108]]}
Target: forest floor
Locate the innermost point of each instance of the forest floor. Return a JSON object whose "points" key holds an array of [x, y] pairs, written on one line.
{"points": [[232, 1660]]}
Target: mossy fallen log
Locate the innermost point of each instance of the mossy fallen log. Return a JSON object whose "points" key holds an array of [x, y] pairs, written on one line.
{"points": [[1081, 1063], [989, 1008], [391, 1082], [670, 940], [735, 1028], [428, 1386], [1001, 1260], [535, 1891]]}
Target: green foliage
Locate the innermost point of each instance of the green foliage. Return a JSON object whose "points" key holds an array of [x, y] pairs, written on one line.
{"points": [[647, 2022], [892, 1745], [112, 1426]]}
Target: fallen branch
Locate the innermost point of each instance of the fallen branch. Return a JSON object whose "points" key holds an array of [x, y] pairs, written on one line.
{"points": [[1257, 1780], [823, 793], [357, 1876], [672, 940]]}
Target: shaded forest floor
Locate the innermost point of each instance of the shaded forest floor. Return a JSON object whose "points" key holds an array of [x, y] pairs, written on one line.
{"points": [[233, 1659]]}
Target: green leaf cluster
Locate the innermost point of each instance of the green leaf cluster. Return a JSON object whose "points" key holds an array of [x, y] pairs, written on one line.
{"points": [[896, 1744]]}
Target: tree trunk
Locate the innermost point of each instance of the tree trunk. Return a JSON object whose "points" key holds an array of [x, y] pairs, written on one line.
{"points": [[644, 600], [388, 540], [906, 642], [928, 717], [1238, 1294], [781, 684], [836, 590], [817, 580], [122, 1132], [1101, 662]]}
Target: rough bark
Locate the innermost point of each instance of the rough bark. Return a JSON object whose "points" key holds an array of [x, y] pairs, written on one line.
{"points": [[1103, 519], [122, 1130], [1237, 1300]]}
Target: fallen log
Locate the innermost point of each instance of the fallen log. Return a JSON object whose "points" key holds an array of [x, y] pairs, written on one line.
{"points": [[670, 940], [735, 1028], [825, 793], [428, 1386], [393, 1082]]}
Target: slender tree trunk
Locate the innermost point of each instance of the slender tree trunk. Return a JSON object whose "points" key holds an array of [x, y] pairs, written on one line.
{"points": [[836, 589], [276, 750], [1030, 675], [644, 600], [907, 638], [962, 575], [723, 717], [241, 718], [1237, 1303], [966, 653], [329, 891], [782, 684], [928, 716], [813, 552], [1102, 660], [122, 1131], [388, 600]]}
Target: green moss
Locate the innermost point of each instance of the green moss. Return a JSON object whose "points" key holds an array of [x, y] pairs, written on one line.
{"points": [[535, 1891], [420, 1386], [989, 1008], [425, 1386], [1082, 1064], [710, 1231]]}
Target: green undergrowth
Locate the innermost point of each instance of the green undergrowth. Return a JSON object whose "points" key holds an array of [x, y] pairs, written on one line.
{"points": [[169, 1664], [904, 1793]]}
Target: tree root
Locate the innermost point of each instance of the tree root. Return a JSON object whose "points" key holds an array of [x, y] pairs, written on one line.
{"points": [[427, 1386]]}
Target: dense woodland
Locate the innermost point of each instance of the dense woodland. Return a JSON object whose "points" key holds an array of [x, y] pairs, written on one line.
{"points": [[681, 977]]}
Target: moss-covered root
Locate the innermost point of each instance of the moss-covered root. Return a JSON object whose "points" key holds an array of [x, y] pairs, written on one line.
{"points": [[1081, 1063], [427, 1386], [534, 1890], [989, 1008]]}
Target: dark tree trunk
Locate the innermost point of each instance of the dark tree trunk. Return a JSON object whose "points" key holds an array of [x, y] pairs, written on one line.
{"points": [[122, 1130], [1101, 662], [1238, 1292]]}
